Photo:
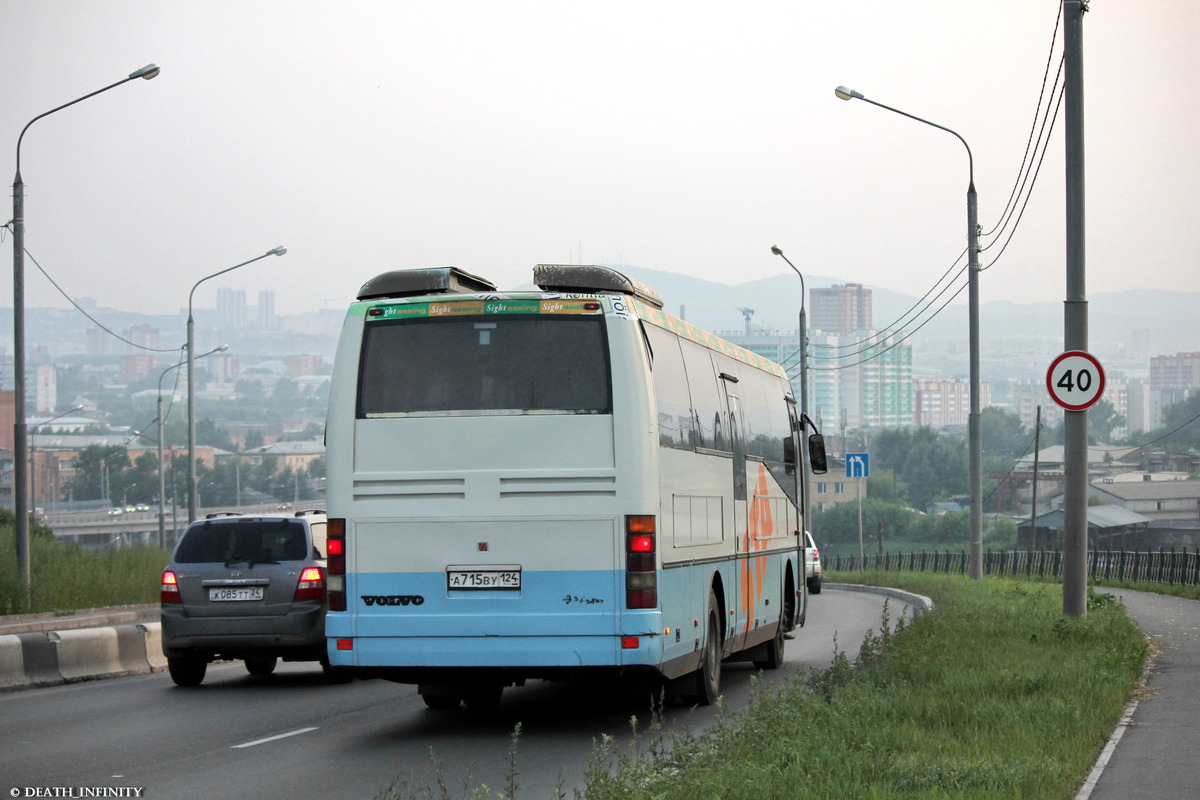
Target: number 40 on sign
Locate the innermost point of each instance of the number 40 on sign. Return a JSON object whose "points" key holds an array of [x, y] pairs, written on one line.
{"points": [[1075, 380]]}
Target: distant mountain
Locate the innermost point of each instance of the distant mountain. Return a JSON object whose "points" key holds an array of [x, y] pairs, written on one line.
{"points": [[1125, 328]]}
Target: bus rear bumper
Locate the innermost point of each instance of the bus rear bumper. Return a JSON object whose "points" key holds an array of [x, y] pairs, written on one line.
{"points": [[526, 656]]}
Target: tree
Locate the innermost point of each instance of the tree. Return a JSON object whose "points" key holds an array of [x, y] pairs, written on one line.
{"points": [[1004, 438], [885, 485], [1102, 419], [98, 472]]}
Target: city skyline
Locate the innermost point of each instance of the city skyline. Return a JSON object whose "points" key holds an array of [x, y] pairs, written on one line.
{"points": [[369, 136]]}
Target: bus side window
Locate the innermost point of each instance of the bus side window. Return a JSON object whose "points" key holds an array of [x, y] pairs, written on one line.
{"points": [[706, 401], [675, 418]]}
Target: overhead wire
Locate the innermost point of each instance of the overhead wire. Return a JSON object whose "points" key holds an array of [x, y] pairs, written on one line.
{"points": [[78, 308]]}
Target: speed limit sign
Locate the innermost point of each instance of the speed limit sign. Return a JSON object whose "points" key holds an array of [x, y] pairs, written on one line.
{"points": [[1075, 380]]}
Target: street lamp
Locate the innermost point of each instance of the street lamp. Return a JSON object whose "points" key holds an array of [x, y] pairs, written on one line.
{"points": [[191, 378], [803, 373], [20, 443], [162, 486], [33, 450], [974, 427]]}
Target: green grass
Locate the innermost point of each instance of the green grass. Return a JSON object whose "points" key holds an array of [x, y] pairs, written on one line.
{"points": [[993, 695], [65, 578]]}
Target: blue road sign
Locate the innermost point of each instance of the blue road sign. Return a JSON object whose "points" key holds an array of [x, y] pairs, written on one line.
{"points": [[858, 465]]}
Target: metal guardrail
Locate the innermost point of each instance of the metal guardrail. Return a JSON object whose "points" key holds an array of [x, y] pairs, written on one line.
{"points": [[1161, 566]]}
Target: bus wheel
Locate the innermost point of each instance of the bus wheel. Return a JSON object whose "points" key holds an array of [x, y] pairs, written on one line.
{"points": [[708, 677], [774, 659], [438, 697], [441, 702], [483, 698]]}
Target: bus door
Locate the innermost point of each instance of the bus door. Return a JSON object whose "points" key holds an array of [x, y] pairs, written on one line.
{"points": [[740, 601]]}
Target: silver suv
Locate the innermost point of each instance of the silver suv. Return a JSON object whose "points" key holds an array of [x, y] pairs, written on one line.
{"points": [[245, 586]]}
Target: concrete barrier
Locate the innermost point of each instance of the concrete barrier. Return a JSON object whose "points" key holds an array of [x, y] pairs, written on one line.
{"points": [[152, 631], [47, 658], [12, 663], [87, 653]]}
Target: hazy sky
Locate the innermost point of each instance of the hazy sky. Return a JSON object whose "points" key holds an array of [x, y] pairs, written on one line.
{"points": [[681, 136]]}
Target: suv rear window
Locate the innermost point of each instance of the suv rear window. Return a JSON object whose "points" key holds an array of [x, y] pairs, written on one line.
{"points": [[258, 541]]}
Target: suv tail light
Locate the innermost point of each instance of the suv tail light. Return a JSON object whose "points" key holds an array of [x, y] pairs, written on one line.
{"points": [[641, 549], [335, 544], [170, 587], [311, 585]]}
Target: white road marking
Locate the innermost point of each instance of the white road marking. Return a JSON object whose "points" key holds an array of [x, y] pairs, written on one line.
{"points": [[272, 738]]}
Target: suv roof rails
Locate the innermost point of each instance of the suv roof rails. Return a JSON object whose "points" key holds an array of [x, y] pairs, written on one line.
{"points": [[309, 511]]}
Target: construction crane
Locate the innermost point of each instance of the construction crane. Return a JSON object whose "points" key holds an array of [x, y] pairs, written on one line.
{"points": [[747, 313]]}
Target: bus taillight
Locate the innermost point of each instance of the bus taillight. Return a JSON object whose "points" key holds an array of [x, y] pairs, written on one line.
{"points": [[335, 566], [641, 580]]}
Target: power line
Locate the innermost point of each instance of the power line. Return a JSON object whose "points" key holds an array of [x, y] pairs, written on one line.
{"points": [[97, 322]]}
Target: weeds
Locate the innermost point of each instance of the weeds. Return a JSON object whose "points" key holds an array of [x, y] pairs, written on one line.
{"points": [[67, 578]]}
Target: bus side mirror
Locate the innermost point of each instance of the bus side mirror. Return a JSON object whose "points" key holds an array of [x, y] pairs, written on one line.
{"points": [[816, 454]]}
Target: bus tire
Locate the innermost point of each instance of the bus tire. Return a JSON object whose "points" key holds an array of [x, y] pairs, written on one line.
{"points": [[774, 648], [708, 676], [483, 698], [441, 702]]}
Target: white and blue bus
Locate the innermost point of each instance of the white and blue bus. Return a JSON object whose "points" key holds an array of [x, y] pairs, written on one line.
{"points": [[552, 484]]}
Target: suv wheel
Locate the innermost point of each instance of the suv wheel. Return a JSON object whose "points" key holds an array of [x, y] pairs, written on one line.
{"points": [[187, 670], [261, 666]]}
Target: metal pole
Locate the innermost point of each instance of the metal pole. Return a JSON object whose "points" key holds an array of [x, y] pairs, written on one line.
{"points": [[974, 426], [974, 421], [20, 442], [20, 474], [1037, 444], [191, 407], [1075, 319], [802, 462], [162, 478], [804, 480], [193, 485]]}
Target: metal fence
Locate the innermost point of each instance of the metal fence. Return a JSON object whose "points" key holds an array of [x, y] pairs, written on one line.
{"points": [[1162, 566]]}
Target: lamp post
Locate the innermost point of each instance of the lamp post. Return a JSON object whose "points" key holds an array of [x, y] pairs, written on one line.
{"points": [[974, 426], [162, 486], [803, 375], [191, 377], [33, 451], [20, 443]]}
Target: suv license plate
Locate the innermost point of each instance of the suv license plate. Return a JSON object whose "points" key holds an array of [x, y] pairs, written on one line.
{"points": [[494, 578], [236, 593]]}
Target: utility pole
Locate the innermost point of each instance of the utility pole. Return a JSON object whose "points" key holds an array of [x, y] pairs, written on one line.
{"points": [[1037, 447], [1075, 318]]}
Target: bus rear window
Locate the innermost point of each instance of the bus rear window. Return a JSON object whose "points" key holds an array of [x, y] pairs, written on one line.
{"points": [[478, 365]]}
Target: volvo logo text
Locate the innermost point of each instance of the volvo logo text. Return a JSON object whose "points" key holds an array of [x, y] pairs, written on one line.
{"points": [[393, 599]]}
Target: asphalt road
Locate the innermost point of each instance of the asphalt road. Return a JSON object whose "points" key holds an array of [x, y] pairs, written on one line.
{"points": [[292, 736]]}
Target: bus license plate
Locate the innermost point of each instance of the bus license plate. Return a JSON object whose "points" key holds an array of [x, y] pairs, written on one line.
{"points": [[236, 593], [483, 578]]}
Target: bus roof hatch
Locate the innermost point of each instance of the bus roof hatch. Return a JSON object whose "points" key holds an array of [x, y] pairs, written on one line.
{"points": [[573, 279], [416, 282]]}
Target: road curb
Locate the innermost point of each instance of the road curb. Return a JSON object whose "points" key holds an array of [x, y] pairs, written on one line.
{"points": [[919, 602]]}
